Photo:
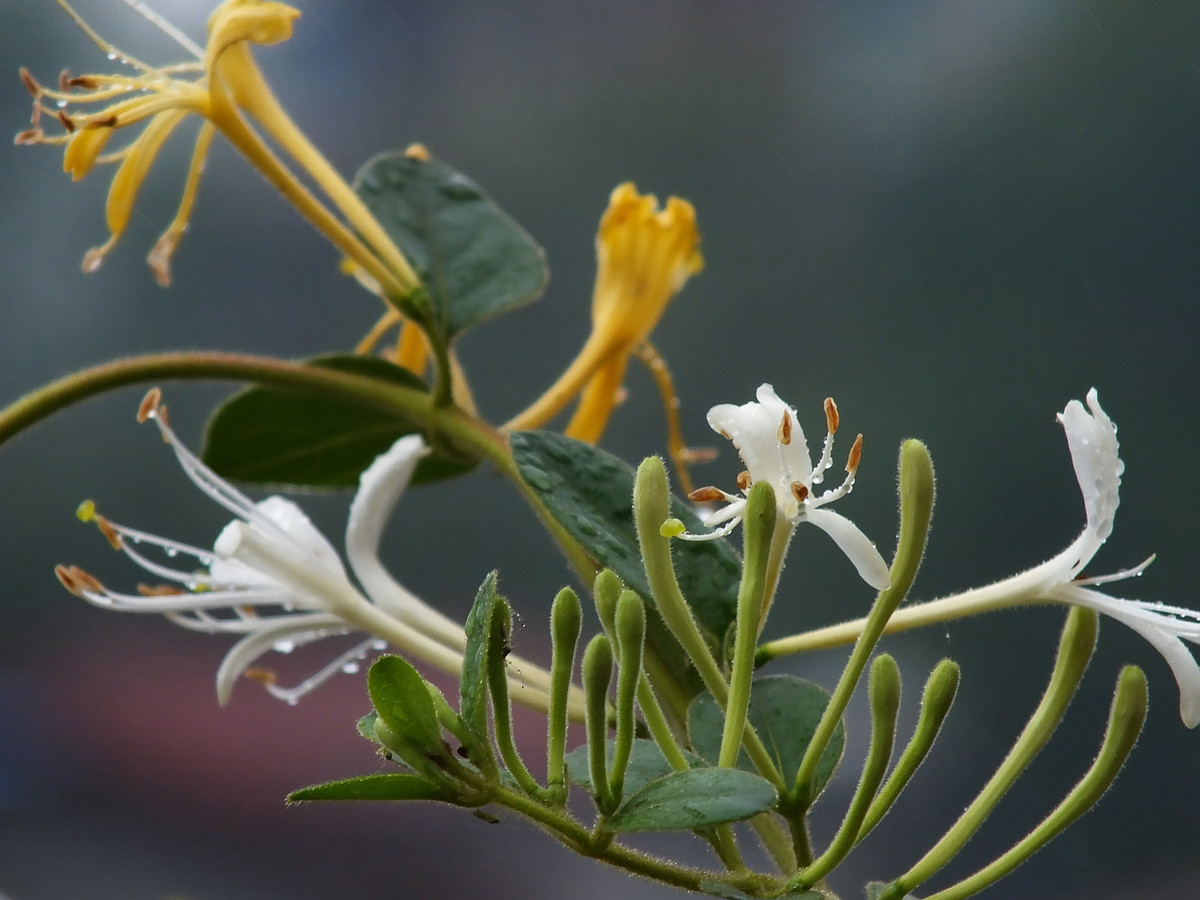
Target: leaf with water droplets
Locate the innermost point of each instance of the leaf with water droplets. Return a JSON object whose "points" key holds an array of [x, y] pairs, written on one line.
{"points": [[473, 259], [277, 436], [405, 706], [387, 786], [473, 682], [696, 798], [589, 492]]}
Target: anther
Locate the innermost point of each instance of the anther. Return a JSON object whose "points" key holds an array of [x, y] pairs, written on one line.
{"points": [[706, 495], [855, 456], [28, 136], [418, 152], [698, 455], [66, 122], [106, 122], [262, 676], [785, 429], [161, 415], [831, 416], [92, 260], [64, 80], [30, 85], [744, 480], [799, 491], [64, 577], [106, 529], [86, 82], [149, 405], [159, 590]]}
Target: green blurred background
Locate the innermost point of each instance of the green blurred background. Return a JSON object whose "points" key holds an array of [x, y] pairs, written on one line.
{"points": [[953, 217]]}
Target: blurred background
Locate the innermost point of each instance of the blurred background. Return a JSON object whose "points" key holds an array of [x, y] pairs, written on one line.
{"points": [[952, 216]]}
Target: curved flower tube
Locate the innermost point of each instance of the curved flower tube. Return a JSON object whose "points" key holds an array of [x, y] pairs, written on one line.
{"points": [[275, 580]]}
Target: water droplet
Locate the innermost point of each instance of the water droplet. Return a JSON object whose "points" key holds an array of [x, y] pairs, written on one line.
{"points": [[536, 478], [379, 645], [61, 104], [284, 646], [172, 552], [557, 453], [112, 56], [350, 668], [459, 188], [292, 700], [586, 526]]}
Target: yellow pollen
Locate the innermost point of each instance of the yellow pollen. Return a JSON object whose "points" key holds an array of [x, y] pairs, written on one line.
{"points": [[86, 511], [672, 528]]}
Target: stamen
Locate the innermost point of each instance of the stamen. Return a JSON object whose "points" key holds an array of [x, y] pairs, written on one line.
{"points": [[83, 82], [159, 590], [855, 456], [743, 480], [263, 676], [106, 529], [831, 416], [698, 455], [149, 405], [64, 80], [66, 122], [785, 429], [85, 581], [706, 495], [64, 576], [30, 85], [106, 122], [799, 491], [28, 136]]}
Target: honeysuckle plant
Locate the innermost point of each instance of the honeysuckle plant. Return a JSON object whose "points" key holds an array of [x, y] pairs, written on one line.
{"points": [[685, 726]]}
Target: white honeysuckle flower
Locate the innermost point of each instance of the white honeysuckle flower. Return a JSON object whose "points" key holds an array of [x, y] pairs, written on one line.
{"points": [[274, 579], [771, 443]]}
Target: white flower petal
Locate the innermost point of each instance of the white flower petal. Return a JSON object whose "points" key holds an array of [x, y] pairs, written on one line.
{"points": [[1158, 633], [856, 545], [1092, 438], [754, 430]]}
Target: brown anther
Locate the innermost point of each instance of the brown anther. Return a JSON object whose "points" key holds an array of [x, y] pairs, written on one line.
{"points": [[28, 136], [30, 85], [66, 122], [64, 576], [785, 429], [86, 82], [106, 122], [697, 455], [744, 480], [106, 529], [831, 416], [262, 676], [418, 152], [161, 414], [159, 590], [706, 495], [799, 491], [64, 80], [149, 404], [84, 581], [855, 456]]}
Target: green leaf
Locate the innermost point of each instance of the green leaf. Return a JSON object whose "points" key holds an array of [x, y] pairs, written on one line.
{"points": [[589, 492], [402, 700], [696, 798], [784, 710], [366, 726], [875, 888], [646, 764], [391, 786], [473, 682], [473, 259], [271, 435]]}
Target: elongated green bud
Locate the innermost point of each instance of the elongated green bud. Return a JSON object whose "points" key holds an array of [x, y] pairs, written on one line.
{"points": [[1074, 650], [566, 618], [597, 675], [883, 689], [939, 695], [606, 589], [1125, 721], [758, 527], [630, 635], [501, 707]]}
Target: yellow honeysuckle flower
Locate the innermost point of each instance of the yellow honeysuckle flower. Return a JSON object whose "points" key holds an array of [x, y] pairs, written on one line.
{"points": [[644, 256], [225, 88]]}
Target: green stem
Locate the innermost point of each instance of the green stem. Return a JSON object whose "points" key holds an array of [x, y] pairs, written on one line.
{"points": [[916, 511], [1074, 650]]}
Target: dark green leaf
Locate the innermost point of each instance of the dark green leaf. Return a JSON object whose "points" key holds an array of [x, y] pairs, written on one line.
{"points": [[271, 435], [473, 683], [875, 888], [696, 798], [402, 700], [590, 492], [784, 710], [646, 763], [391, 786], [474, 260]]}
